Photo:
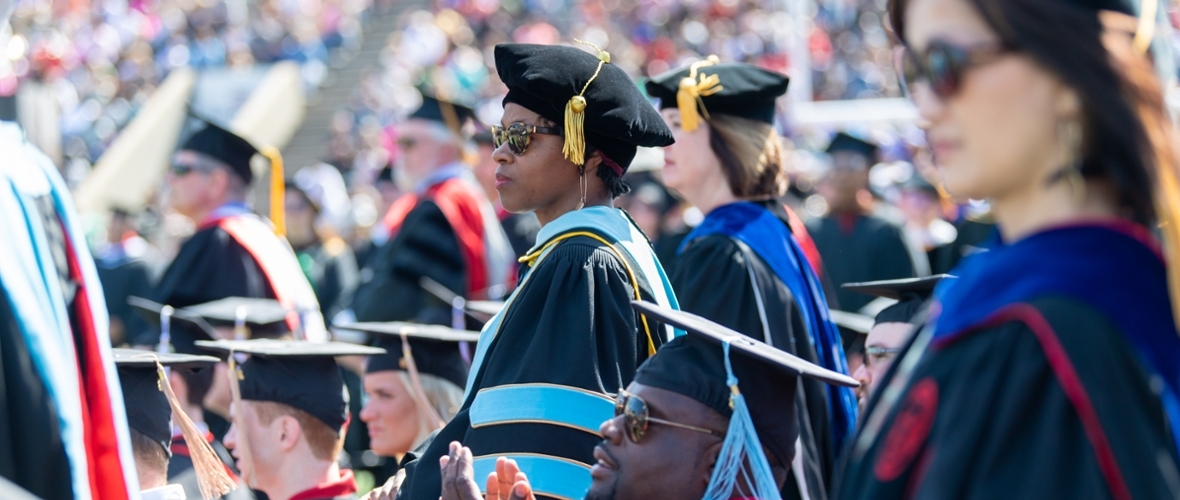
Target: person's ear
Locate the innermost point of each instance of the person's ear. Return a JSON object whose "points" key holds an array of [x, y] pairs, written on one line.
{"points": [[1067, 104], [711, 453], [592, 163], [289, 432]]}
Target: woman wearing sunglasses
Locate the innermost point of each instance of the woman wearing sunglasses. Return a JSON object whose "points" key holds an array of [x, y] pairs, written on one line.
{"points": [[742, 266], [1050, 368], [541, 377]]}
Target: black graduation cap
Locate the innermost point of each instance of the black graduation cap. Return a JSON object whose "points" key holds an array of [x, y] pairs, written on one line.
{"points": [[263, 318], [615, 117], [845, 142], [446, 112], [694, 365], [148, 411], [299, 374], [707, 88], [910, 294], [434, 348], [184, 327], [223, 145]]}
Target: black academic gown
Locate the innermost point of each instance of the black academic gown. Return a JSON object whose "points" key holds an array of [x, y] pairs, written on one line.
{"points": [[873, 249], [712, 280], [570, 325], [425, 245], [986, 417], [210, 266], [122, 278], [30, 437]]}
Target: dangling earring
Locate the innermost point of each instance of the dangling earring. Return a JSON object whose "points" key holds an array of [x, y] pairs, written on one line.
{"points": [[582, 183], [1069, 134]]}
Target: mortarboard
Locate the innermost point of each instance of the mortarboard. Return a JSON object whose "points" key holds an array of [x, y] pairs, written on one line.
{"points": [[593, 101], [432, 349], [299, 374], [708, 87], [236, 152], [148, 411], [151, 406], [845, 142], [178, 327], [225, 146], [910, 294], [258, 318], [751, 382], [858, 323], [444, 111]]}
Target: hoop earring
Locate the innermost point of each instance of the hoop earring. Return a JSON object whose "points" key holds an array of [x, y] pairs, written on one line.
{"points": [[582, 183]]}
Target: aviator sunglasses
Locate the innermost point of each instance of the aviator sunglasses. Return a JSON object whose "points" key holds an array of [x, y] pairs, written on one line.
{"points": [[518, 135], [943, 65], [635, 416]]}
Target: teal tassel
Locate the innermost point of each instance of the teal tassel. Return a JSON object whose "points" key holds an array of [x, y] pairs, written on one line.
{"points": [[741, 454]]}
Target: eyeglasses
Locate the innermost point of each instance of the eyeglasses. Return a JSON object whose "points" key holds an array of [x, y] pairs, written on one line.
{"points": [[518, 135], [942, 65], [877, 354], [181, 170], [635, 416]]}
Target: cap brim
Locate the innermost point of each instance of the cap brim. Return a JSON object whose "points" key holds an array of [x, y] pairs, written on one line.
{"points": [[150, 312], [895, 289], [486, 307], [257, 311], [140, 358], [288, 348], [720, 334], [858, 323], [398, 328]]}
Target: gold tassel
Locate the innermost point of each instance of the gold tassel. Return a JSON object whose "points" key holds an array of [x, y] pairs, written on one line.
{"points": [[574, 148], [212, 479], [691, 92], [243, 448], [278, 190]]}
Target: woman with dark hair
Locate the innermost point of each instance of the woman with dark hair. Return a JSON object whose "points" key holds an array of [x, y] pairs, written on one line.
{"points": [[743, 266], [1050, 368]]}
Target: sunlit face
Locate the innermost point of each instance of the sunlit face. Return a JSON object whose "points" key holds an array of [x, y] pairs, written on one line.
{"points": [[196, 190], [219, 396], [691, 168], [300, 220], [997, 134], [390, 414], [420, 142], [262, 469], [890, 335], [539, 178]]}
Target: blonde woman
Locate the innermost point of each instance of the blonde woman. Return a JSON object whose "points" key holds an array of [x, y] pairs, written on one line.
{"points": [[742, 266], [413, 389]]}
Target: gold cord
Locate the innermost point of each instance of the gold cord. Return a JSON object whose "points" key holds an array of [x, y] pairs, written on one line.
{"points": [[278, 190], [574, 148], [690, 96]]}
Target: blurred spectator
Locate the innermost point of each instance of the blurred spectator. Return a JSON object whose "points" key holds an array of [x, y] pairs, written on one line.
{"points": [[124, 269], [315, 205], [921, 204]]}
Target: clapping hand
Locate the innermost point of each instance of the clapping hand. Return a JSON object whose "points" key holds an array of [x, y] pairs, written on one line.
{"points": [[458, 478]]}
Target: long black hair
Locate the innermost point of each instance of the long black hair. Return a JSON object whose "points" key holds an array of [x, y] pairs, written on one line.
{"points": [[1066, 38]]}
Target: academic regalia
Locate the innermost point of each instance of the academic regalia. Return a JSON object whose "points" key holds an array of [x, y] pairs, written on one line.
{"points": [[235, 253], [301, 375], [445, 230], [860, 247], [1051, 371], [751, 383], [567, 336], [63, 432], [743, 267]]}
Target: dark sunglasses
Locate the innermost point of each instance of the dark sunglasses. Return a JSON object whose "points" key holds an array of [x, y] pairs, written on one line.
{"points": [[635, 416], [942, 65], [518, 135], [181, 170]]}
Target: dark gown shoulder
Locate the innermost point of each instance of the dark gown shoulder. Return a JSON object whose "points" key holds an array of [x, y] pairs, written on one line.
{"points": [[570, 324], [1020, 410], [425, 245], [716, 278]]}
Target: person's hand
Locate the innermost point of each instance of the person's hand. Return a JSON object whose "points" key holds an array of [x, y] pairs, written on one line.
{"points": [[508, 482], [458, 475], [389, 490]]}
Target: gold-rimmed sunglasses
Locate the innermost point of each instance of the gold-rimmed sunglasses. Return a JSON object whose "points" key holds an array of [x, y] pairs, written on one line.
{"points": [[518, 135], [636, 417]]}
